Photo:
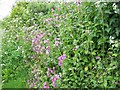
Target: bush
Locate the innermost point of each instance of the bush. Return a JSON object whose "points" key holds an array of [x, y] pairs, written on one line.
{"points": [[64, 45]]}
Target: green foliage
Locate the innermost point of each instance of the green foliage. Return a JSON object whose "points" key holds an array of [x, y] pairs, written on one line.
{"points": [[62, 45]]}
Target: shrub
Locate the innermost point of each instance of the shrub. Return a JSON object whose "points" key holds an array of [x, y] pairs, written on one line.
{"points": [[64, 45]]}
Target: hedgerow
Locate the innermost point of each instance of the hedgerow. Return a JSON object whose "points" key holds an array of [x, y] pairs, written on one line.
{"points": [[62, 45]]}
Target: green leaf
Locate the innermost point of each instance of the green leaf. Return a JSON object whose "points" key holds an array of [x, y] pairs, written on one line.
{"points": [[86, 68]]}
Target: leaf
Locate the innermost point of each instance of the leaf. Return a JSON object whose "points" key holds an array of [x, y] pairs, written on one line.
{"points": [[115, 55], [105, 83], [86, 68]]}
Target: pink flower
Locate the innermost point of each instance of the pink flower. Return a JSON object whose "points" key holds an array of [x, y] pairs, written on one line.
{"points": [[53, 10], [53, 84], [76, 47], [42, 48], [56, 77], [60, 63], [56, 43], [31, 85], [57, 39], [45, 85], [97, 57], [56, 25], [47, 52], [46, 41], [55, 19], [48, 47], [55, 15], [58, 8], [50, 71], [61, 58]]}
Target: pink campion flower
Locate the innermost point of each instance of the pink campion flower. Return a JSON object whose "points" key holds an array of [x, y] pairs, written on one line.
{"points": [[97, 57], [56, 25], [60, 63], [76, 47], [56, 43], [31, 85], [57, 39], [53, 79], [36, 42], [35, 25], [63, 16], [40, 52], [47, 52], [55, 19], [53, 84], [56, 77], [49, 19], [48, 73], [37, 51], [27, 39], [62, 57], [40, 36], [46, 41], [59, 8], [42, 48], [38, 46], [53, 9], [45, 85], [55, 15], [48, 47], [48, 69], [52, 70]]}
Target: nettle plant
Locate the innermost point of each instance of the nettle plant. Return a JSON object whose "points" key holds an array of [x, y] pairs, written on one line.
{"points": [[68, 45]]}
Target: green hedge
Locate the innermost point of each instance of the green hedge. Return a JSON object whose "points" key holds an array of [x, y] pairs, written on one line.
{"points": [[62, 45]]}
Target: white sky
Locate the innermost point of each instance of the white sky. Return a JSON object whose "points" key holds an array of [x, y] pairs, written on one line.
{"points": [[5, 7]]}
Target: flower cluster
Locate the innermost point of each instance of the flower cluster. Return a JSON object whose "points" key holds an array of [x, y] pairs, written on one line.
{"points": [[56, 77], [53, 9], [61, 58], [50, 71], [37, 38], [35, 81], [57, 42], [45, 85], [37, 44]]}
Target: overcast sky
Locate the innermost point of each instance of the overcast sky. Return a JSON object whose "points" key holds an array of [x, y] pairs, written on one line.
{"points": [[5, 7]]}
